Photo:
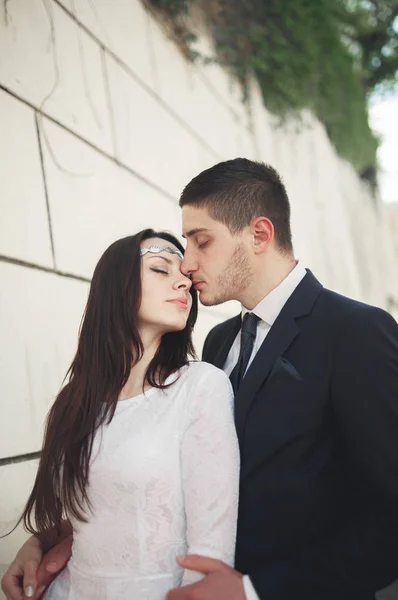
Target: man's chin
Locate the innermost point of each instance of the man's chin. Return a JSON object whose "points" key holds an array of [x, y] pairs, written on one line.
{"points": [[208, 300]]}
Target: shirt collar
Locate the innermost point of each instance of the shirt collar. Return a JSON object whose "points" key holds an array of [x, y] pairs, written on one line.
{"points": [[269, 307]]}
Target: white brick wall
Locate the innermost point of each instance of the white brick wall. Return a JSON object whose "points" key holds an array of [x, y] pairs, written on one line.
{"points": [[39, 316], [102, 123], [93, 201], [144, 128], [24, 227], [16, 482]]}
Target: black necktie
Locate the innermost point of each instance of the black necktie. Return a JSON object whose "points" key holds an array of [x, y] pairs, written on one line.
{"points": [[247, 337]]}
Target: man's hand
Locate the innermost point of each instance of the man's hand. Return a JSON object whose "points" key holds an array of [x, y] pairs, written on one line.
{"points": [[29, 575], [53, 562], [221, 581]]}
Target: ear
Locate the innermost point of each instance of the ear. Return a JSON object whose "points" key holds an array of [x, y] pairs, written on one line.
{"points": [[263, 234]]}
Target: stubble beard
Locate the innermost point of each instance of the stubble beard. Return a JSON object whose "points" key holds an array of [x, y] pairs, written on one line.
{"points": [[236, 277]]}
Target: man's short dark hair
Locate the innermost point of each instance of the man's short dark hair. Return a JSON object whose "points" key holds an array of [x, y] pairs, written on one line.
{"points": [[237, 191]]}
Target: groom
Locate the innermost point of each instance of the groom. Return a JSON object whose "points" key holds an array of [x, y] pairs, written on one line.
{"points": [[315, 376], [316, 403]]}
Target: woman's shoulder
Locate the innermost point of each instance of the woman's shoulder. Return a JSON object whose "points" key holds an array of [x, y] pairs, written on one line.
{"points": [[199, 369], [206, 390], [201, 377]]}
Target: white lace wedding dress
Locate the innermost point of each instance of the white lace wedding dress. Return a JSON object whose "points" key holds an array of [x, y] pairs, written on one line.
{"points": [[163, 482]]}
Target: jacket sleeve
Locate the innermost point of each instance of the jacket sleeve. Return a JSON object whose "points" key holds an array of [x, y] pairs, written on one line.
{"points": [[360, 557]]}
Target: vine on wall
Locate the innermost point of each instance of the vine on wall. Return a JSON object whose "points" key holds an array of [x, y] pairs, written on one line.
{"points": [[324, 55]]}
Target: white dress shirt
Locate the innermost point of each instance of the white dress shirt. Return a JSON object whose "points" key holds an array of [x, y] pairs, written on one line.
{"points": [[267, 310]]}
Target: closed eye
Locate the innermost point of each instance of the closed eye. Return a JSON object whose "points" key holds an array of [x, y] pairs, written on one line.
{"points": [[159, 271], [203, 244]]}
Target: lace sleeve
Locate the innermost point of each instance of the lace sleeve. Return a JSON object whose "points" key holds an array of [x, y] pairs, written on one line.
{"points": [[210, 470]]}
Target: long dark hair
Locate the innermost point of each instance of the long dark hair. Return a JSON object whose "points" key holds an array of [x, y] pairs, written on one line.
{"points": [[109, 344]]}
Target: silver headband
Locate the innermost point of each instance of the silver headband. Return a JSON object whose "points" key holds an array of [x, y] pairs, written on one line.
{"points": [[155, 249]]}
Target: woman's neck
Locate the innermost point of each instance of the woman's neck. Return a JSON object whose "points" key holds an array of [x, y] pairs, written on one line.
{"points": [[135, 383]]}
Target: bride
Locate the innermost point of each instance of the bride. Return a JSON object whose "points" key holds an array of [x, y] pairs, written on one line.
{"points": [[140, 457]]}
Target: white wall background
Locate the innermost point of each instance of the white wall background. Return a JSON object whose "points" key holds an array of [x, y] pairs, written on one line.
{"points": [[102, 123]]}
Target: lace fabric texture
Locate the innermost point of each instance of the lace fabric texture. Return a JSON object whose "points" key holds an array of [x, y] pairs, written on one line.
{"points": [[163, 482]]}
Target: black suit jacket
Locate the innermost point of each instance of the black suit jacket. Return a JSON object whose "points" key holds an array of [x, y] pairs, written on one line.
{"points": [[317, 421]]}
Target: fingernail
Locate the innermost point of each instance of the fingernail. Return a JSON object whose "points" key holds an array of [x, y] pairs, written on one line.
{"points": [[51, 567], [29, 591]]}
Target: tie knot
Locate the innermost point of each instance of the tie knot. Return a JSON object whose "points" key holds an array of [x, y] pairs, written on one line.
{"points": [[249, 324]]}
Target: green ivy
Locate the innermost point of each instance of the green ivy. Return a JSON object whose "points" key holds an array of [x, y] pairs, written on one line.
{"points": [[302, 54], [175, 7]]}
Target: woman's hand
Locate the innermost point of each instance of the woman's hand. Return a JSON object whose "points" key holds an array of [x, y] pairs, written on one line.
{"points": [[19, 582], [30, 573]]}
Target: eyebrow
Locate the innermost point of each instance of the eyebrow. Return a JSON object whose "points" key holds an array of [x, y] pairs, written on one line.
{"points": [[195, 231], [168, 260]]}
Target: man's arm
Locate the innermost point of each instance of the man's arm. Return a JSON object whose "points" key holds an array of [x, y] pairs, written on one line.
{"points": [[362, 556]]}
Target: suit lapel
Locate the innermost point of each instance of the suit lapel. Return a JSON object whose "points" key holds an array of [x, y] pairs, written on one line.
{"points": [[279, 338], [226, 342], [281, 335]]}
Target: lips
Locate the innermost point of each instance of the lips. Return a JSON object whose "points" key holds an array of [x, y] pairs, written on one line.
{"points": [[198, 284], [182, 302]]}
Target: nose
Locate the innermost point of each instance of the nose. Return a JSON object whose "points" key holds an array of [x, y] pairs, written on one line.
{"points": [[183, 283], [189, 264]]}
